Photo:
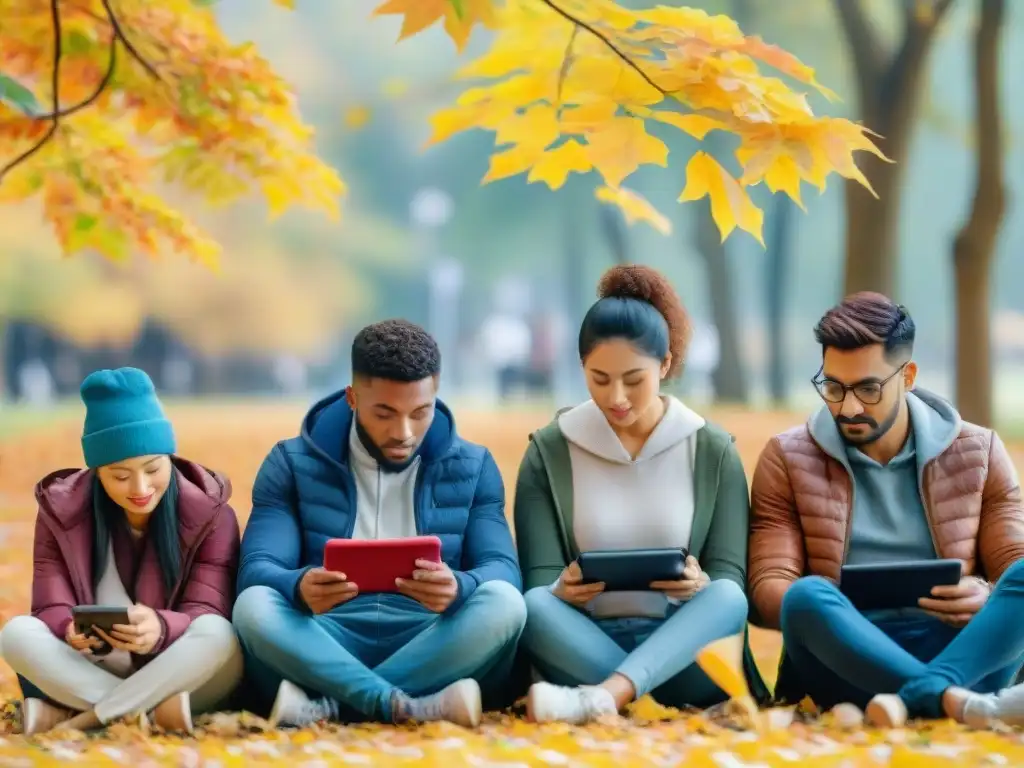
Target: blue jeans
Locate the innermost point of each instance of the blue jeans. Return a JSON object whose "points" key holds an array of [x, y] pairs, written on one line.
{"points": [[363, 652], [655, 655], [990, 644], [834, 653]]}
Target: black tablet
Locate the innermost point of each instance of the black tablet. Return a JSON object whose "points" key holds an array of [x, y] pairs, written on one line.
{"points": [[877, 586], [631, 569]]}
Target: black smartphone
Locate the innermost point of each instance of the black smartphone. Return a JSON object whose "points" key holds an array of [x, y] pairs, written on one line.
{"points": [[103, 616], [632, 569]]}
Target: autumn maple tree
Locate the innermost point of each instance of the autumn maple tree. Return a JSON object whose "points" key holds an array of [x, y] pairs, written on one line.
{"points": [[107, 104]]}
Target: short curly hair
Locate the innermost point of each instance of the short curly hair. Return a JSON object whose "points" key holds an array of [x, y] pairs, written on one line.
{"points": [[396, 350], [639, 304]]}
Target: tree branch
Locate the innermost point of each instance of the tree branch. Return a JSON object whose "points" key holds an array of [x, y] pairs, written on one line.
{"points": [[58, 52], [869, 57], [56, 113], [604, 39], [567, 57], [97, 92], [899, 87], [128, 46]]}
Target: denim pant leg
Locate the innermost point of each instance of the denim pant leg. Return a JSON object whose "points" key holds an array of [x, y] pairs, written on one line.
{"points": [[301, 648], [572, 649], [838, 653], [689, 688], [478, 641], [986, 654]]}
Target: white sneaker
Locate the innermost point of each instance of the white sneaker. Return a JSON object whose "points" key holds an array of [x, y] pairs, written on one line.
{"points": [[547, 703], [886, 710], [38, 716], [459, 703], [980, 710], [293, 707]]}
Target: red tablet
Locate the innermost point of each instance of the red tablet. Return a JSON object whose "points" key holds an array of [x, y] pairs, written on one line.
{"points": [[374, 564]]}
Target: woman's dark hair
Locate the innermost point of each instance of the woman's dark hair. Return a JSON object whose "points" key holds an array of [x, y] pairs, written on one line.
{"points": [[163, 531], [638, 304]]}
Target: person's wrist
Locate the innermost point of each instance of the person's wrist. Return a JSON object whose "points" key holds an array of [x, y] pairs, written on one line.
{"points": [[985, 584]]}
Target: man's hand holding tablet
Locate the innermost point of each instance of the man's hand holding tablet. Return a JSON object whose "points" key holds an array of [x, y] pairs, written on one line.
{"points": [[432, 585], [321, 590], [956, 604]]}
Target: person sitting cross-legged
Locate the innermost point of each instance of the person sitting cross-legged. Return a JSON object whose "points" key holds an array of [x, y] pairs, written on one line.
{"points": [[885, 472], [380, 460], [142, 531], [632, 468]]}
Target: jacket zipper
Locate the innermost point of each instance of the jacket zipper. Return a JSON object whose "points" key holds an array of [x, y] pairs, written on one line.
{"points": [[927, 506]]}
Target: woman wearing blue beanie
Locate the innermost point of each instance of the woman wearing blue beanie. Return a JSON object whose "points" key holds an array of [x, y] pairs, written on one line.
{"points": [[142, 530]]}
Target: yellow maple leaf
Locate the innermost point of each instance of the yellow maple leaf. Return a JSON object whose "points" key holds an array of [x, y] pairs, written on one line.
{"points": [[622, 145], [536, 127], [697, 126], [731, 206], [722, 661], [512, 161], [554, 166], [635, 207], [586, 118], [780, 164], [606, 69]]}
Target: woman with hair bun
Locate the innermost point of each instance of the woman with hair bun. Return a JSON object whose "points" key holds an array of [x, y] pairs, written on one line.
{"points": [[631, 468]]}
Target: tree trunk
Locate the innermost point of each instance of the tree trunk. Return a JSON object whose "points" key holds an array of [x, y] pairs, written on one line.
{"points": [[4, 393], [615, 233], [778, 263], [974, 246], [729, 377], [889, 85], [572, 385]]}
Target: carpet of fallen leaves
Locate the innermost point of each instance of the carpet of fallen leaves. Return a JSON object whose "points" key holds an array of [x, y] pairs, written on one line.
{"points": [[234, 438]]}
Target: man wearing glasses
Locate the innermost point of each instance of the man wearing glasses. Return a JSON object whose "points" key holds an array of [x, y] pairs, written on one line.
{"points": [[882, 473]]}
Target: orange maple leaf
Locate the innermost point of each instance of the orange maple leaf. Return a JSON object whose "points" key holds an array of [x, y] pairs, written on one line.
{"points": [[418, 15]]}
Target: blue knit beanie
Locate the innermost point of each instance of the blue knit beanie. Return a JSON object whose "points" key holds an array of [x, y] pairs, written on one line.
{"points": [[123, 418]]}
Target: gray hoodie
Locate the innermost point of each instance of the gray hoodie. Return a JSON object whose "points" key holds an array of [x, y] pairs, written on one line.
{"points": [[625, 503]]}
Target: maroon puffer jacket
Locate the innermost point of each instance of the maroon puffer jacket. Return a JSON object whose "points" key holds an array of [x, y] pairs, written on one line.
{"points": [[208, 533]]}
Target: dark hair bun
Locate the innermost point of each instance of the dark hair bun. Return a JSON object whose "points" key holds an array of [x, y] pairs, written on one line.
{"points": [[636, 281]]}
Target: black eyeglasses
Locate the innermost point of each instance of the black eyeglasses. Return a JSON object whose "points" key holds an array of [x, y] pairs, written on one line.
{"points": [[868, 392]]}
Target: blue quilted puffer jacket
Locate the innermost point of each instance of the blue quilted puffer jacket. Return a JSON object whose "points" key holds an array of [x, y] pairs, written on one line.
{"points": [[304, 494]]}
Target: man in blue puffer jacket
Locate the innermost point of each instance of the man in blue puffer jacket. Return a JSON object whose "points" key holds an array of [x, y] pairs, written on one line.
{"points": [[380, 460]]}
